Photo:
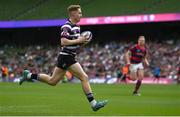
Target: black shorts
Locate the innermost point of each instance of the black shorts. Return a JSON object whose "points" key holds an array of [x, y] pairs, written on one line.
{"points": [[65, 61]]}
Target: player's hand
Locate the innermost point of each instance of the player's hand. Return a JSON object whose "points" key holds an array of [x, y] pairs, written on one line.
{"points": [[147, 64], [83, 39]]}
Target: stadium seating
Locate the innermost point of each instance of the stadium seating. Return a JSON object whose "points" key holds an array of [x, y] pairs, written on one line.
{"points": [[53, 9], [97, 59]]}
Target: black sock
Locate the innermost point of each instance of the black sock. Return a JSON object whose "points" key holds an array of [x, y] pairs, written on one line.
{"points": [[34, 76], [90, 97]]}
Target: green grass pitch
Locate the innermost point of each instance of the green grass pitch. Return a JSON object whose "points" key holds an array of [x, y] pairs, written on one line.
{"points": [[68, 99]]}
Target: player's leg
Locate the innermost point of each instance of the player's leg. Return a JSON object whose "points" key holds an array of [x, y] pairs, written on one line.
{"points": [[125, 78], [158, 78], [133, 75], [57, 75], [154, 78], [133, 72], [77, 71], [119, 77], [134, 69], [140, 74]]}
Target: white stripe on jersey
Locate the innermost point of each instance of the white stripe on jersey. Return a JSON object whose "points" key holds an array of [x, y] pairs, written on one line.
{"points": [[74, 28], [66, 25], [63, 53], [71, 47]]}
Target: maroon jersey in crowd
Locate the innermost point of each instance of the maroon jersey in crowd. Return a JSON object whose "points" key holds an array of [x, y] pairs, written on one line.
{"points": [[137, 54]]}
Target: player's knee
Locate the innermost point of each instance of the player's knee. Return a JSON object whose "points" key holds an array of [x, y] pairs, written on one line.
{"points": [[133, 77], [140, 78]]}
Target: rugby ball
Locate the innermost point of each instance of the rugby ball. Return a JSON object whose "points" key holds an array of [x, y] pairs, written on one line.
{"points": [[87, 34]]}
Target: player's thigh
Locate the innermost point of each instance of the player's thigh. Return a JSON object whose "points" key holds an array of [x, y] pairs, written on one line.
{"points": [[58, 74], [78, 71], [140, 74], [133, 71]]}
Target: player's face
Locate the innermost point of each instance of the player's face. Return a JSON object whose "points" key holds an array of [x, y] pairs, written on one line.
{"points": [[76, 15], [141, 41]]}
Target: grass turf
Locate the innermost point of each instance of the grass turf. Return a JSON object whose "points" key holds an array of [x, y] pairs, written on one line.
{"points": [[68, 99]]}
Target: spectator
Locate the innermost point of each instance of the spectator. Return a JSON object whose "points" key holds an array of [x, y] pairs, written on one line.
{"points": [[98, 60]]}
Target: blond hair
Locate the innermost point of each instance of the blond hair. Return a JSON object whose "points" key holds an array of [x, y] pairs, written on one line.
{"points": [[73, 8]]}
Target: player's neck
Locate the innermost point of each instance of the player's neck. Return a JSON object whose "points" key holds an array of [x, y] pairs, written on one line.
{"points": [[73, 21], [141, 45]]}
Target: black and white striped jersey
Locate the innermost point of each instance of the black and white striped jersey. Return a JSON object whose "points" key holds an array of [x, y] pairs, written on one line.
{"points": [[70, 31]]}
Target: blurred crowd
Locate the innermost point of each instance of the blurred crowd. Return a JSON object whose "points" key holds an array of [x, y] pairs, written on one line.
{"points": [[105, 61], [98, 60]]}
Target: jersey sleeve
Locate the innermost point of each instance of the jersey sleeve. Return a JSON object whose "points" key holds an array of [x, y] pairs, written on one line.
{"points": [[65, 31], [132, 48]]}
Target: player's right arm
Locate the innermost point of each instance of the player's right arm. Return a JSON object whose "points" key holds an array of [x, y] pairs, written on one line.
{"points": [[67, 39]]}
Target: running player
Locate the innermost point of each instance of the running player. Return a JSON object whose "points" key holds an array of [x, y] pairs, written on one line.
{"points": [[135, 58], [71, 40]]}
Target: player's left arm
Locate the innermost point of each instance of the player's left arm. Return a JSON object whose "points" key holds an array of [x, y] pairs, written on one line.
{"points": [[145, 60]]}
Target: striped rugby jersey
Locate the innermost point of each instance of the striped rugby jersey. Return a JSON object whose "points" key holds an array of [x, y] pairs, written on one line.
{"points": [[137, 54], [70, 31]]}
